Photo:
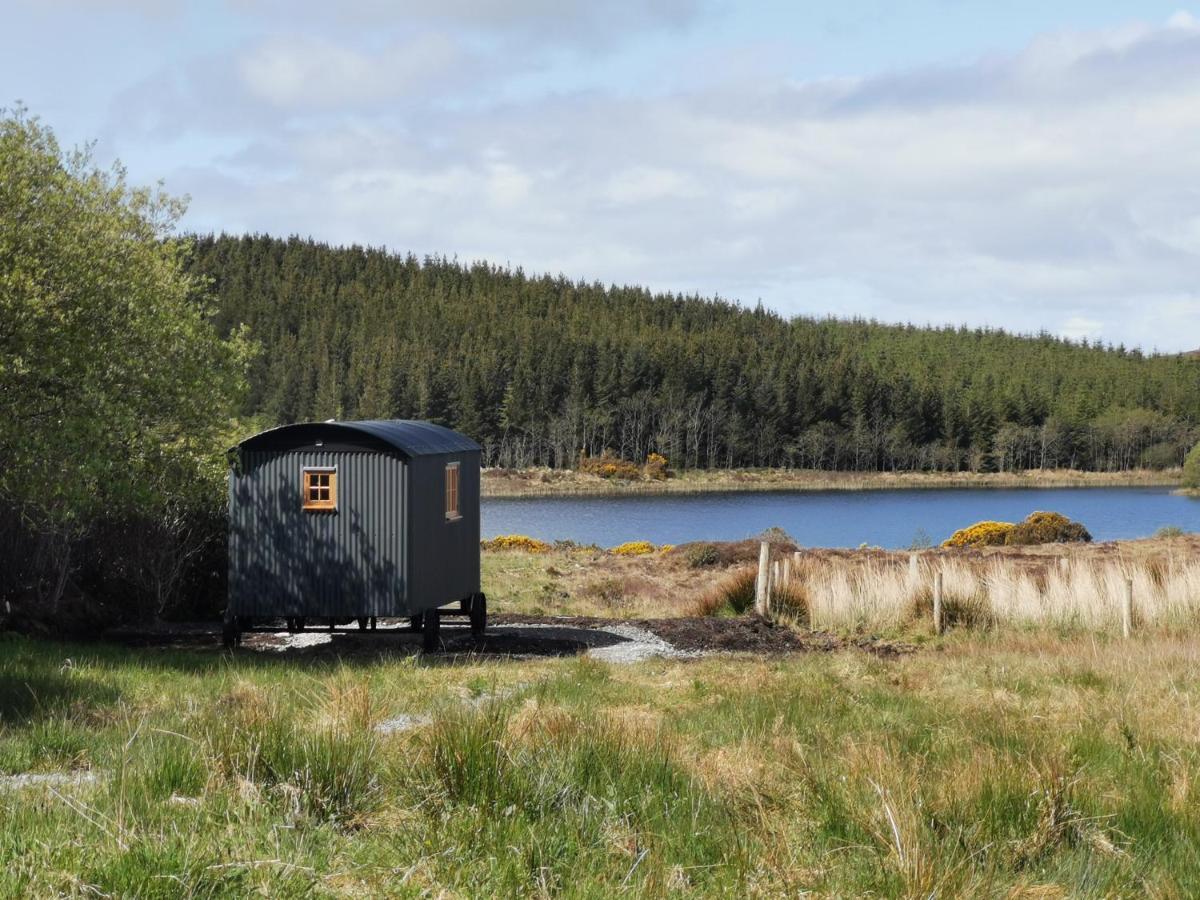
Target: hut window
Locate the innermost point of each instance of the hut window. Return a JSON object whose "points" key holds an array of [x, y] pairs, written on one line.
{"points": [[452, 491], [320, 489]]}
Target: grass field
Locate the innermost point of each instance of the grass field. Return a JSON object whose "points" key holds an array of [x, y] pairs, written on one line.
{"points": [[1034, 756], [1018, 766]]}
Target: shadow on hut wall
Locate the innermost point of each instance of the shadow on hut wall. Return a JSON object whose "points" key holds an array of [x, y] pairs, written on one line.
{"points": [[295, 562]]}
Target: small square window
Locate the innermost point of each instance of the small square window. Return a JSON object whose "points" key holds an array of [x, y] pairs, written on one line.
{"points": [[452, 510], [320, 489]]}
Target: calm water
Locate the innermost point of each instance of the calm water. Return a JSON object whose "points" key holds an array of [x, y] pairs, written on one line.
{"points": [[832, 518]]}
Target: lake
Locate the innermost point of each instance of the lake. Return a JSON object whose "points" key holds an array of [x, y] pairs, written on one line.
{"points": [[892, 519]]}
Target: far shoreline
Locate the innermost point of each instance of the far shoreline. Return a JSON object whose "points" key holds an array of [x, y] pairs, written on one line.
{"points": [[545, 482]]}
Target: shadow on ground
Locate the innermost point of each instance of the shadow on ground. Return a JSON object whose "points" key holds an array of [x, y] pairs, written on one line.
{"points": [[522, 637]]}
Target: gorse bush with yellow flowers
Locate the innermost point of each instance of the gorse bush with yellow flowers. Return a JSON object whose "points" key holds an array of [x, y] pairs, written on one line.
{"points": [[1037, 528], [634, 548], [609, 465], [655, 467], [981, 534], [515, 542]]}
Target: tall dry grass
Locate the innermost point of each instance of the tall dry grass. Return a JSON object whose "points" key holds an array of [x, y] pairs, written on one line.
{"points": [[887, 592]]}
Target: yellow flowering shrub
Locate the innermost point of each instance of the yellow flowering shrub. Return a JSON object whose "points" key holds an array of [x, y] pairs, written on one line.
{"points": [[515, 542], [666, 548], [609, 465], [655, 467], [981, 534], [633, 548]]}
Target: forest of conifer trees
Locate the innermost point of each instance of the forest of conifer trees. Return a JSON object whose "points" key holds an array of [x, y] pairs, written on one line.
{"points": [[540, 369]]}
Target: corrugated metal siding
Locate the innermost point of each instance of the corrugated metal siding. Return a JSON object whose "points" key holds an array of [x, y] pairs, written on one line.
{"points": [[445, 554], [286, 561]]}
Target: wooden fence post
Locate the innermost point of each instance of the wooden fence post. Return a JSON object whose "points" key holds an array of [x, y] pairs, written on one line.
{"points": [[1127, 609], [762, 587], [787, 571], [937, 603], [913, 564]]}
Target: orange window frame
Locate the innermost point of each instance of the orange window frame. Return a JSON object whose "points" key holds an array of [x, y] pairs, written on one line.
{"points": [[453, 511], [320, 489]]}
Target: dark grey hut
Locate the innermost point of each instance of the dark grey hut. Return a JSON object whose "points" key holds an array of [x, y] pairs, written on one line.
{"points": [[335, 521]]}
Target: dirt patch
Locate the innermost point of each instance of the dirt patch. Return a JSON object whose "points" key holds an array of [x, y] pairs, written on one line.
{"points": [[395, 639], [512, 636], [743, 634]]}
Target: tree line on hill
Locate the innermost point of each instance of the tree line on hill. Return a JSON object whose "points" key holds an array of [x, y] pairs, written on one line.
{"points": [[540, 369]]}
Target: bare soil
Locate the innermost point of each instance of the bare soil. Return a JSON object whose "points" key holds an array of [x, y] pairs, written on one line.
{"points": [[521, 637]]}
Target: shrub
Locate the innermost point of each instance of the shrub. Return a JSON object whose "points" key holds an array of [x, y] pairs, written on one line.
{"points": [[609, 465], [1169, 532], [921, 540], [1161, 456], [776, 535], [1047, 528], [515, 542], [655, 467], [634, 548], [981, 534], [699, 556], [566, 545], [1191, 469], [731, 596]]}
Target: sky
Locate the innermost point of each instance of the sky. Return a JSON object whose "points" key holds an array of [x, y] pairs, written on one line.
{"points": [[1026, 165]]}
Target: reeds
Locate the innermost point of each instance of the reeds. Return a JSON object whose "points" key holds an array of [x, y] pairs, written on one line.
{"points": [[887, 592]]}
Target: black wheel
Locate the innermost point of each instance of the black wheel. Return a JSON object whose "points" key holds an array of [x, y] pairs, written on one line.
{"points": [[416, 623], [363, 622], [431, 639], [301, 621], [293, 624], [374, 622], [231, 635], [478, 614]]}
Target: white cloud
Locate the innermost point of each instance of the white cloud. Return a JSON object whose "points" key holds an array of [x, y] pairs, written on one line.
{"points": [[1079, 327], [580, 23], [1053, 188], [307, 74]]}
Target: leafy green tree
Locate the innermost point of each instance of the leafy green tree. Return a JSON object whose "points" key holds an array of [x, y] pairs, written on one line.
{"points": [[1191, 469], [116, 392]]}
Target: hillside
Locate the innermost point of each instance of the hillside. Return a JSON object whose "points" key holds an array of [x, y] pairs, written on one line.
{"points": [[538, 368]]}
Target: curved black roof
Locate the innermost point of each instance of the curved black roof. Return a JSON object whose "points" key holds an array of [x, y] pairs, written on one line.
{"points": [[410, 437]]}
